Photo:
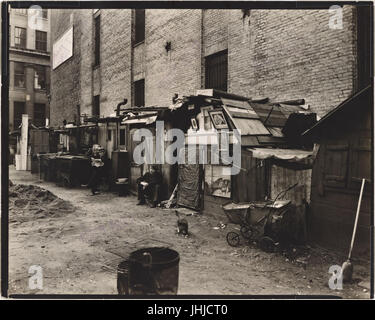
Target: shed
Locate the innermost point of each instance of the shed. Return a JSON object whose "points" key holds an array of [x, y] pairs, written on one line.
{"points": [[344, 158], [261, 124]]}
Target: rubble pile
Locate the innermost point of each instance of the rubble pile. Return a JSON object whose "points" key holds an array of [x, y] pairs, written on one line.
{"points": [[29, 202]]}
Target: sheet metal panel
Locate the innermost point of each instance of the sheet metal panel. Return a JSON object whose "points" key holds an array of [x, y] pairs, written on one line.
{"points": [[247, 126]]}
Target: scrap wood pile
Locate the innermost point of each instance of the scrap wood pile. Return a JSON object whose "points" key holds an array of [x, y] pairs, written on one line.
{"points": [[29, 202]]}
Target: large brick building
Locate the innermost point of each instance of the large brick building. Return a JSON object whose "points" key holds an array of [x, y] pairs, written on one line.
{"points": [[29, 64], [149, 55]]}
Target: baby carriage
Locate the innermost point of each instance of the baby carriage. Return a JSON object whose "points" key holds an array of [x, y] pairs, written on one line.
{"points": [[258, 221]]}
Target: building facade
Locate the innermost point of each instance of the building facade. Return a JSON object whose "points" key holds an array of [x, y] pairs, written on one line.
{"points": [[149, 55], [29, 66]]}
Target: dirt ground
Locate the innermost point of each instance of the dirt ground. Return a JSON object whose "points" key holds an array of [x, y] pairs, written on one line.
{"points": [[80, 246]]}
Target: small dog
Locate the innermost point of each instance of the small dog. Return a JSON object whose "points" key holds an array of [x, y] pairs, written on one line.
{"points": [[182, 225]]}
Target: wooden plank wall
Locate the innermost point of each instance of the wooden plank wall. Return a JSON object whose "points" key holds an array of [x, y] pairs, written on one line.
{"points": [[283, 178], [251, 183]]}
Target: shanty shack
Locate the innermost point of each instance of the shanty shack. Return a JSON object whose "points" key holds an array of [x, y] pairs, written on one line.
{"points": [[345, 157], [272, 156]]}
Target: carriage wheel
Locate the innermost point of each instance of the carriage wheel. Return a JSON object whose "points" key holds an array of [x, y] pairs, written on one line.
{"points": [[246, 232], [267, 244], [233, 239]]}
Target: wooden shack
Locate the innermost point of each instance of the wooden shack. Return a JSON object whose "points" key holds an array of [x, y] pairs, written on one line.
{"points": [[344, 158], [261, 124]]}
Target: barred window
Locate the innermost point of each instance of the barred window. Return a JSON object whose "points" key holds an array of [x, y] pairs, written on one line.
{"points": [[139, 26], [40, 40], [40, 77], [217, 71], [20, 37], [19, 75]]}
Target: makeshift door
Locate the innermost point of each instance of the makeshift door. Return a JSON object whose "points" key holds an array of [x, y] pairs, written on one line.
{"points": [[190, 177], [190, 185]]}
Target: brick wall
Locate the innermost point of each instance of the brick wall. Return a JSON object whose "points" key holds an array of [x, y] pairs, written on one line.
{"points": [[65, 79], [179, 70], [115, 58], [286, 54], [282, 54], [215, 30]]}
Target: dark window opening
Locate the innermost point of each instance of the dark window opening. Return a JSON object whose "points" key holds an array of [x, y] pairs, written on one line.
{"points": [[19, 75], [96, 106], [44, 13], [39, 114], [97, 41], [139, 26], [139, 93], [40, 40], [40, 77], [122, 137], [216, 71], [18, 111], [109, 135], [20, 37], [78, 120]]}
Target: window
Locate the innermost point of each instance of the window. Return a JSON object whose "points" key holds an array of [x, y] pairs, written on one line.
{"points": [[39, 114], [139, 26], [139, 93], [19, 75], [97, 41], [40, 77], [44, 13], [19, 110], [216, 71], [20, 37], [96, 106], [122, 137], [21, 11], [40, 40]]}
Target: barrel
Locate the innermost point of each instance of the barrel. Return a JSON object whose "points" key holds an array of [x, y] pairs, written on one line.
{"points": [[122, 278], [153, 271]]}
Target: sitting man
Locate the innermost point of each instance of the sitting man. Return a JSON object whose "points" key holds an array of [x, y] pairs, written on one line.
{"points": [[149, 186]]}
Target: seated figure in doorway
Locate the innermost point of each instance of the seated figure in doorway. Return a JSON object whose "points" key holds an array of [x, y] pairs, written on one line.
{"points": [[149, 186]]}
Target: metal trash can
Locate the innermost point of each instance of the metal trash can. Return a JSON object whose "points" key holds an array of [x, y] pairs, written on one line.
{"points": [[122, 278], [153, 271]]}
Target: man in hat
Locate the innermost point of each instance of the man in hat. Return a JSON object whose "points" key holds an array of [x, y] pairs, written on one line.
{"points": [[97, 154], [149, 186]]}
